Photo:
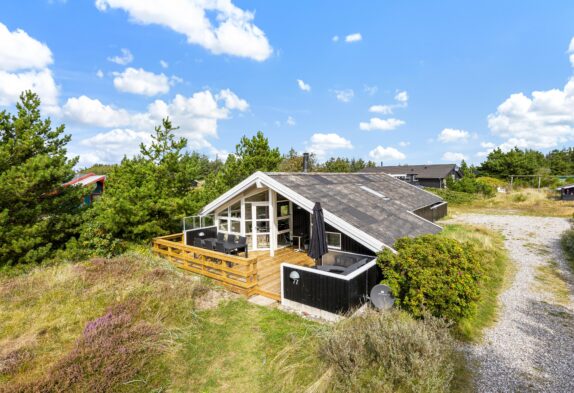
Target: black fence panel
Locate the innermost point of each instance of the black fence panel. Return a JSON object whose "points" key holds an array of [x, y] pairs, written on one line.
{"points": [[329, 293], [201, 233]]}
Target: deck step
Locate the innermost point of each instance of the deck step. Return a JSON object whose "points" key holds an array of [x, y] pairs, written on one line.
{"points": [[271, 295]]}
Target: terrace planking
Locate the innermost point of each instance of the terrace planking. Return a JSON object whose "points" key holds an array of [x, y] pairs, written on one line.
{"points": [[258, 274]]}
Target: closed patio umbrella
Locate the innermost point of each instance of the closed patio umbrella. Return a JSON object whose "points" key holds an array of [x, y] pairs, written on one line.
{"points": [[318, 245]]}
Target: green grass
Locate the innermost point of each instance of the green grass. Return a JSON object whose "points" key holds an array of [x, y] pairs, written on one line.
{"points": [[231, 347], [157, 329], [498, 272], [160, 329]]}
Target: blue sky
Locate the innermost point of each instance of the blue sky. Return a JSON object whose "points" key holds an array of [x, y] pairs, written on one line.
{"points": [[402, 82]]}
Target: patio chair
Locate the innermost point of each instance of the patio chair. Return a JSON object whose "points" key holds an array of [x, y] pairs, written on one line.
{"points": [[197, 242], [219, 246], [209, 244], [221, 236], [231, 238]]}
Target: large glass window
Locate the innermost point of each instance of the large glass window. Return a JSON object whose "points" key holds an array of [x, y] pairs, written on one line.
{"points": [[230, 219]]}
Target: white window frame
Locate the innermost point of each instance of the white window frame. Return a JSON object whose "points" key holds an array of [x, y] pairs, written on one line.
{"points": [[340, 240]]}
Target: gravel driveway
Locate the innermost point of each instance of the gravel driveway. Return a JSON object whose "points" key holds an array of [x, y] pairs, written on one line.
{"points": [[531, 347]]}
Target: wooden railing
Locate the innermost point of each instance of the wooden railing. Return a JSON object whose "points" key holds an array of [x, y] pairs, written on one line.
{"points": [[236, 273]]}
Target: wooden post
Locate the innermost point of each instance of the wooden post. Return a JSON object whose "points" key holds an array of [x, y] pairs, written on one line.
{"points": [[511, 181], [539, 178]]}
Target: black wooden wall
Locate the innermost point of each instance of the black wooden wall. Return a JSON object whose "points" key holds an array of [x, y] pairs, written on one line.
{"points": [[432, 214], [301, 224], [329, 293]]}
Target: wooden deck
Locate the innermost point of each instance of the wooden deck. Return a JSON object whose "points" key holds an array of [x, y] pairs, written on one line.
{"points": [[258, 274], [269, 269]]}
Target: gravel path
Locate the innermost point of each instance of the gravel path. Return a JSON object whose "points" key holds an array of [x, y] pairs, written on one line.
{"points": [[531, 347]]}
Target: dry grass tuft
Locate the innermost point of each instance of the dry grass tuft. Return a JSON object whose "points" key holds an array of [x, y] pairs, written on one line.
{"points": [[375, 351], [530, 202], [552, 281]]}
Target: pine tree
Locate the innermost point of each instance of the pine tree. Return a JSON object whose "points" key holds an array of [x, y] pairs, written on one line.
{"points": [[37, 215]]}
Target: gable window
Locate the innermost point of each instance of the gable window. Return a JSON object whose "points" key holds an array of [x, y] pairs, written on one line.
{"points": [[229, 220], [334, 240]]}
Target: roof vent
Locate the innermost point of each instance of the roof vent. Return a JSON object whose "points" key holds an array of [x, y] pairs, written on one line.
{"points": [[375, 193]]}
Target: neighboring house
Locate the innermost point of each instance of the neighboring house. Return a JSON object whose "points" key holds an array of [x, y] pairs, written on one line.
{"points": [[364, 213], [566, 192], [422, 175], [94, 182]]}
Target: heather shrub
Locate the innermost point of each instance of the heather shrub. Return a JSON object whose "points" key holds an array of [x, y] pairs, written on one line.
{"points": [[112, 350], [433, 274]]}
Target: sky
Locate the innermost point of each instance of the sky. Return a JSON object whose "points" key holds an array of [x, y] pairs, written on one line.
{"points": [[391, 81]]}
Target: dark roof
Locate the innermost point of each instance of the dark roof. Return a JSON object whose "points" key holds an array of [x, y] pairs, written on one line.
{"points": [[385, 216], [438, 171]]}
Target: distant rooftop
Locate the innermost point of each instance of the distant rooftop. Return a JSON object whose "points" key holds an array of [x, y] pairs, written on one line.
{"points": [[429, 171]]}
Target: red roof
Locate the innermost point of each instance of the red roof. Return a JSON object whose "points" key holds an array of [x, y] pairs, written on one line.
{"points": [[85, 180]]}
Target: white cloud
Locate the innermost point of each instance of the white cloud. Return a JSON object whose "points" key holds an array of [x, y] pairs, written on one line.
{"points": [[197, 117], [303, 86], [448, 135], [335, 38], [164, 64], [232, 101], [489, 146], [321, 144], [353, 37], [383, 109], [371, 90], [452, 156], [125, 58], [402, 97], [24, 65], [85, 110], [381, 124], [571, 51], [345, 95], [381, 153], [404, 144], [234, 33], [545, 119], [40, 82], [19, 51], [140, 81], [100, 74], [291, 121], [111, 146]]}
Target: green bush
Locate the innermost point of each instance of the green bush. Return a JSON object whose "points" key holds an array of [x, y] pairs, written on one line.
{"points": [[433, 274], [491, 181], [454, 197], [520, 197], [471, 185], [388, 352]]}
